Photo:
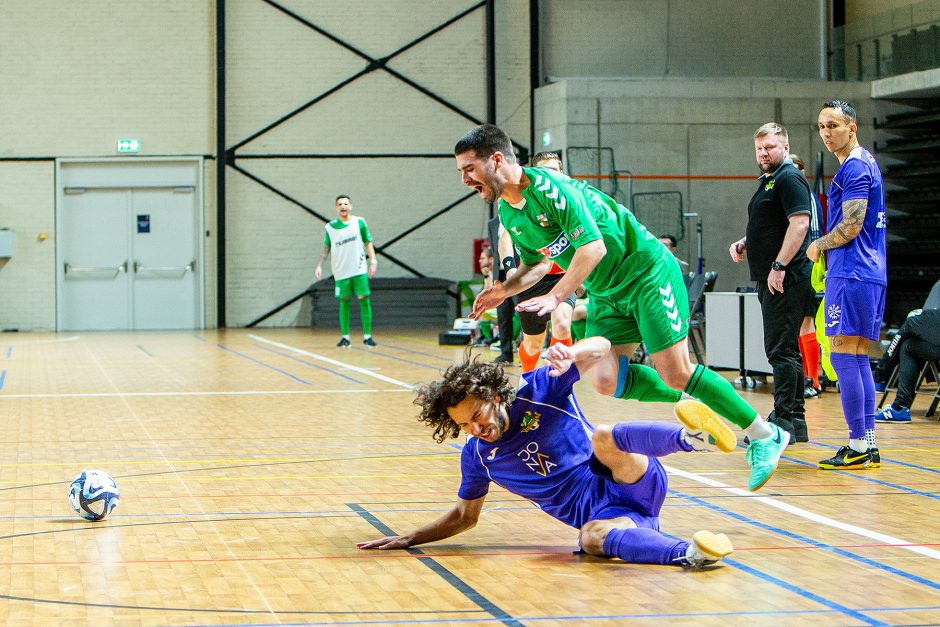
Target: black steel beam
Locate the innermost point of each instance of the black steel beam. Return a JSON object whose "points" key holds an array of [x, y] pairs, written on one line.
{"points": [[275, 190], [221, 160]]}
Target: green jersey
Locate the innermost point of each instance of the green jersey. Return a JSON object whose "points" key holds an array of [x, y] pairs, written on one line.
{"points": [[561, 214]]}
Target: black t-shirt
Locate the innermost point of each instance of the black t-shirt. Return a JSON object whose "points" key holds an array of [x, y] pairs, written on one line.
{"points": [[781, 194]]}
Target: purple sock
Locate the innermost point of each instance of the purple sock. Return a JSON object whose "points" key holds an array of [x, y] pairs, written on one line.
{"points": [[644, 546], [656, 439], [852, 393], [868, 385]]}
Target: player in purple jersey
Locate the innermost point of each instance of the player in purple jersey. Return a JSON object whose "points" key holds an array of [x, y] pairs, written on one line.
{"points": [[855, 280], [535, 442]]}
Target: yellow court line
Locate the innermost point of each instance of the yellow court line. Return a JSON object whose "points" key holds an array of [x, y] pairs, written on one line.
{"points": [[259, 461]]}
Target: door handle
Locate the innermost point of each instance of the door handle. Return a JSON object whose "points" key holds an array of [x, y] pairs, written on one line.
{"points": [[70, 269], [189, 267]]}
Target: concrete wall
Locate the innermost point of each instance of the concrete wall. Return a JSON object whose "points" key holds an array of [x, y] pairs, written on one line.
{"points": [[659, 38], [696, 137]]}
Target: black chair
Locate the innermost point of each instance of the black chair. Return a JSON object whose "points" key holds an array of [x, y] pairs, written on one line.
{"points": [[701, 284]]}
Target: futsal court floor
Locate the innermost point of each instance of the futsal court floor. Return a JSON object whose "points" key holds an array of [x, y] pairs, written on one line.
{"points": [[250, 463]]}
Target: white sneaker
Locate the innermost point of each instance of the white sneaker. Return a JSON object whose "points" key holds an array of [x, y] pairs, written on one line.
{"points": [[704, 430], [706, 548]]}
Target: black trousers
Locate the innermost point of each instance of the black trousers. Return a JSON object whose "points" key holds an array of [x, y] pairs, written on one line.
{"points": [[504, 314], [783, 314], [917, 341]]}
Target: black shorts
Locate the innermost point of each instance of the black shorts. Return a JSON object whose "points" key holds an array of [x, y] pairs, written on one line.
{"points": [[532, 323]]}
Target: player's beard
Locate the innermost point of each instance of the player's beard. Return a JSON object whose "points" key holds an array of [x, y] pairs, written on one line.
{"points": [[495, 431]]}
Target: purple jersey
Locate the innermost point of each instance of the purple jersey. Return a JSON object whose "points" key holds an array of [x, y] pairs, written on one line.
{"points": [[544, 454], [863, 258]]}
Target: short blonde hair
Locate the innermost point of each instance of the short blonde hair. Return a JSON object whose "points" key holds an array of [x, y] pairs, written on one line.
{"points": [[772, 128]]}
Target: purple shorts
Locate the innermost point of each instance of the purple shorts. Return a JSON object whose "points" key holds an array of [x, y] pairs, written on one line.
{"points": [[854, 308], [641, 501]]}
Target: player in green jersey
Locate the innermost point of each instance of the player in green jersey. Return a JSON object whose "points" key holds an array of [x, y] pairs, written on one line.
{"points": [[637, 290]]}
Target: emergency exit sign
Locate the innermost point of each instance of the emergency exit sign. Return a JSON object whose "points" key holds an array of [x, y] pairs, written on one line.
{"points": [[128, 145]]}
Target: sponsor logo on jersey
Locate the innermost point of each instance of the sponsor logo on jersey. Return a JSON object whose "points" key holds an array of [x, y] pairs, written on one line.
{"points": [[515, 231], [536, 461], [346, 241], [672, 309], [557, 247], [492, 455], [833, 313], [882, 220], [530, 421], [770, 185], [575, 234]]}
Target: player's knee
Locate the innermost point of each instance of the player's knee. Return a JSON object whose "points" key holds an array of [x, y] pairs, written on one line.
{"points": [[561, 328], [592, 536], [604, 382], [602, 442], [677, 377]]}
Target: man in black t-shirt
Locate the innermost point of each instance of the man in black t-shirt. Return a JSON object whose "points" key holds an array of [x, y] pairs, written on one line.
{"points": [[777, 225]]}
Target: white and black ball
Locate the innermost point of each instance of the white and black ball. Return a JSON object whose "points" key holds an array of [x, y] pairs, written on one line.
{"points": [[93, 495]]}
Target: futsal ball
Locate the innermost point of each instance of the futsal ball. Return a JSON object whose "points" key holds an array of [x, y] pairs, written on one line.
{"points": [[94, 494]]}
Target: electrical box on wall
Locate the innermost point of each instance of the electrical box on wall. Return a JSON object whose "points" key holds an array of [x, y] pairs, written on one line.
{"points": [[6, 243]]}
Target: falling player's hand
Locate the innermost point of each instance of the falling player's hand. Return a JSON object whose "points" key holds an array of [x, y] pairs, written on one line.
{"points": [[487, 299], [541, 305], [385, 544], [559, 357]]}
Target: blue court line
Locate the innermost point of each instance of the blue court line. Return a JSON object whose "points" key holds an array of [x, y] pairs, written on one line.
{"points": [[307, 363], [441, 571], [9, 352], [804, 540], [145, 351], [387, 356], [861, 477], [414, 352], [3, 377], [261, 363]]}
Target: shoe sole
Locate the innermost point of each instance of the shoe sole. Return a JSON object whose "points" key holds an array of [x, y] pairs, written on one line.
{"points": [[713, 546], [893, 422], [776, 463], [697, 416], [864, 466]]}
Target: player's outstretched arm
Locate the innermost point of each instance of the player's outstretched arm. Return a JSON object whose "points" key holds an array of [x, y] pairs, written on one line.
{"points": [[462, 517], [585, 354]]}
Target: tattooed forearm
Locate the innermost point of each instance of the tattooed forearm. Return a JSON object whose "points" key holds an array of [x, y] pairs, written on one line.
{"points": [[853, 217]]}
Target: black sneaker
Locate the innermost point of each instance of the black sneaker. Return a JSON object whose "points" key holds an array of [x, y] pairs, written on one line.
{"points": [[811, 392], [502, 360], [343, 343], [369, 342], [847, 459], [784, 424], [800, 430], [875, 457]]}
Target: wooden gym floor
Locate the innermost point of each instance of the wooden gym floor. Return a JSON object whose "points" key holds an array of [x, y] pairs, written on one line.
{"points": [[251, 462]]}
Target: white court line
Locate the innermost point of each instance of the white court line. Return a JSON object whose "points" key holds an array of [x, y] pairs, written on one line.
{"points": [[57, 340], [802, 513], [338, 364], [216, 393]]}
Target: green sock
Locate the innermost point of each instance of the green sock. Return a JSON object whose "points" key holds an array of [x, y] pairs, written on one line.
{"points": [[642, 384], [715, 391], [365, 314], [344, 317]]}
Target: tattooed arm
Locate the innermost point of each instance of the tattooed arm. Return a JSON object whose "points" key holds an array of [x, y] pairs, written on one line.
{"points": [[853, 218]]}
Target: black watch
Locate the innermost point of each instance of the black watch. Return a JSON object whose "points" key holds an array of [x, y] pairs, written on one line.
{"points": [[776, 265]]}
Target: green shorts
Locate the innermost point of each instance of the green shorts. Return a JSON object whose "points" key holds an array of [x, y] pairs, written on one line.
{"points": [[653, 309], [358, 285]]}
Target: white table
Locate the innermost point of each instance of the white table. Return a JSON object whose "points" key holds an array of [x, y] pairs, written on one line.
{"points": [[734, 333]]}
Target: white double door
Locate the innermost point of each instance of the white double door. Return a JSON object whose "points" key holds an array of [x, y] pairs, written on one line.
{"points": [[129, 257]]}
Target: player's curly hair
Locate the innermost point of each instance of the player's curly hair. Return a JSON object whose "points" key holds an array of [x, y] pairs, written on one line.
{"points": [[470, 378]]}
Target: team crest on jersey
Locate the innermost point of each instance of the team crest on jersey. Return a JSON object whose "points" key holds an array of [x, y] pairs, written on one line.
{"points": [[556, 248], [833, 313], [770, 185], [542, 220], [530, 421], [575, 234]]}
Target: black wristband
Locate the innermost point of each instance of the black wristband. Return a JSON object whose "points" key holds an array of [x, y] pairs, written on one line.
{"points": [[509, 262]]}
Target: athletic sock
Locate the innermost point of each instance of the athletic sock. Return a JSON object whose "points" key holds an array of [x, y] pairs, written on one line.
{"points": [[655, 439], [851, 393], [555, 340], [642, 384], [644, 546], [859, 445], [365, 315], [868, 388], [528, 361], [715, 391], [809, 348], [870, 438], [344, 317]]}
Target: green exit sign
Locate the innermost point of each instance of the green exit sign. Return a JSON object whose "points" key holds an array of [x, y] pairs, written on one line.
{"points": [[128, 145]]}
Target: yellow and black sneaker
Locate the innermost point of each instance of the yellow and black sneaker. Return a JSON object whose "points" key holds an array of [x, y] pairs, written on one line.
{"points": [[875, 457], [847, 459]]}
